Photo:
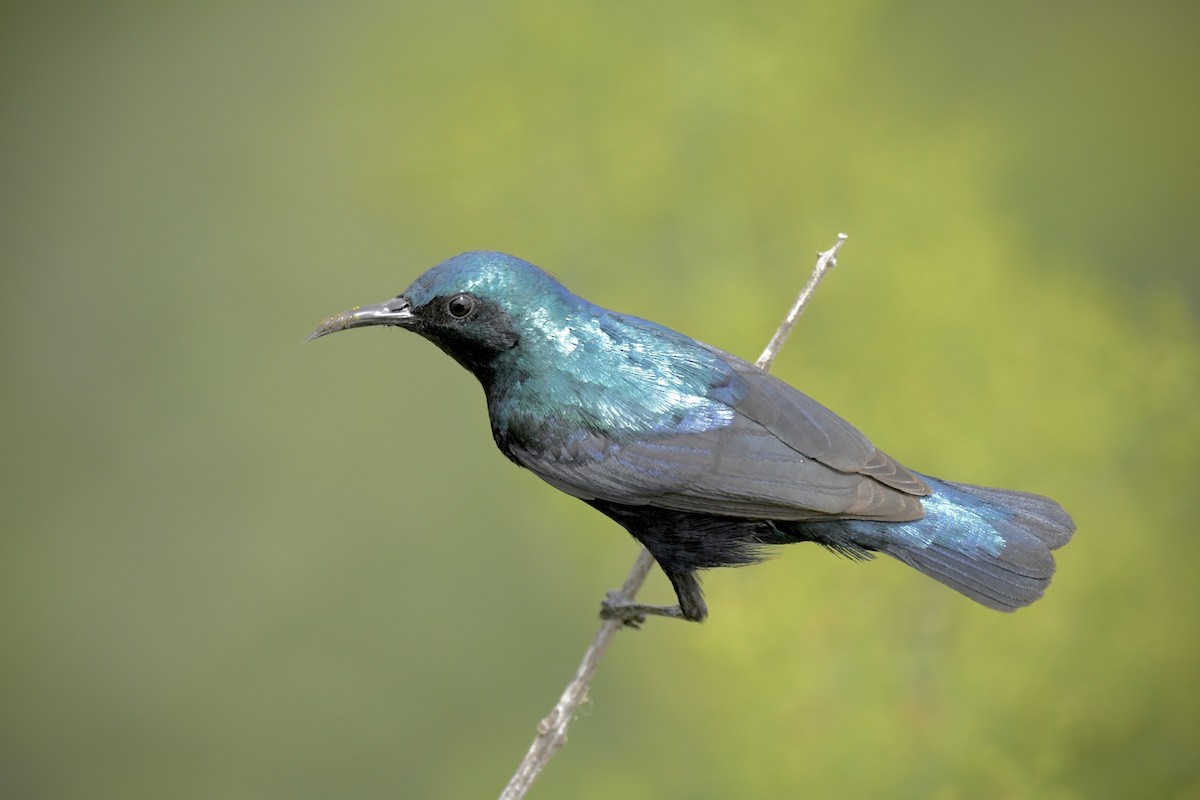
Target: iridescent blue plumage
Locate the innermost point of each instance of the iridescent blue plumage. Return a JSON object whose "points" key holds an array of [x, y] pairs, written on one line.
{"points": [[702, 456], [603, 362]]}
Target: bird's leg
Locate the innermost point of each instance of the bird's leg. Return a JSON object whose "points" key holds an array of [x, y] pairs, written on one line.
{"points": [[687, 588]]}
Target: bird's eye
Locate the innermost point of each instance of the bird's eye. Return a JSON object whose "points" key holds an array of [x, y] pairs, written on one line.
{"points": [[460, 305]]}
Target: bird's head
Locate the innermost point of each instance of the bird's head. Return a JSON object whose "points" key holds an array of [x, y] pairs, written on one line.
{"points": [[474, 306]]}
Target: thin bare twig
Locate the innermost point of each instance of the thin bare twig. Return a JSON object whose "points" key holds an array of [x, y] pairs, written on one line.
{"points": [[825, 261], [552, 731]]}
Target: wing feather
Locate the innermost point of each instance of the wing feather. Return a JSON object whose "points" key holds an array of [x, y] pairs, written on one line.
{"points": [[814, 430], [783, 457]]}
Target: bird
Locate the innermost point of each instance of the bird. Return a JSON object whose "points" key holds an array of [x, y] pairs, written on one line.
{"points": [[704, 458]]}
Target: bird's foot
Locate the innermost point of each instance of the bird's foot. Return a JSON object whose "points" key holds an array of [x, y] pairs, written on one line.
{"points": [[616, 606]]}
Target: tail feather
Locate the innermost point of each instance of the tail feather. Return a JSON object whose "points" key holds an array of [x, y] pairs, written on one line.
{"points": [[987, 580], [1038, 515], [992, 545]]}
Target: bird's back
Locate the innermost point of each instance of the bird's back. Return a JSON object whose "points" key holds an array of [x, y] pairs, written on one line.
{"points": [[614, 408]]}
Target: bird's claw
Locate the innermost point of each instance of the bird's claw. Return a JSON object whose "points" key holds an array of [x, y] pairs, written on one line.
{"points": [[616, 606]]}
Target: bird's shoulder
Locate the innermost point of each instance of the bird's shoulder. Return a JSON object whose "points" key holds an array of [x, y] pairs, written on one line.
{"points": [[608, 373]]}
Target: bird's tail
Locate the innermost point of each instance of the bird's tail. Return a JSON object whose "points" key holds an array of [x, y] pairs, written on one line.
{"points": [[992, 545]]}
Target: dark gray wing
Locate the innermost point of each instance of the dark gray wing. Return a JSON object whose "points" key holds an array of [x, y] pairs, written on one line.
{"points": [[812, 429], [784, 456]]}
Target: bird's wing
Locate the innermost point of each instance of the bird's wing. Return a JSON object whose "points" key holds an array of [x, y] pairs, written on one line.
{"points": [[783, 456], [812, 429]]}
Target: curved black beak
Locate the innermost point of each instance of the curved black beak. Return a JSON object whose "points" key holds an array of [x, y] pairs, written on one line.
{"points": [[397, 311]]}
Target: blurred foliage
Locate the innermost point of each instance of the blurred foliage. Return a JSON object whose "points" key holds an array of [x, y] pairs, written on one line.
{"points": [[234, 566]]}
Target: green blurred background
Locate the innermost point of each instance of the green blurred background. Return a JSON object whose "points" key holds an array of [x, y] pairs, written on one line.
{"points": [[235, 566]]}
